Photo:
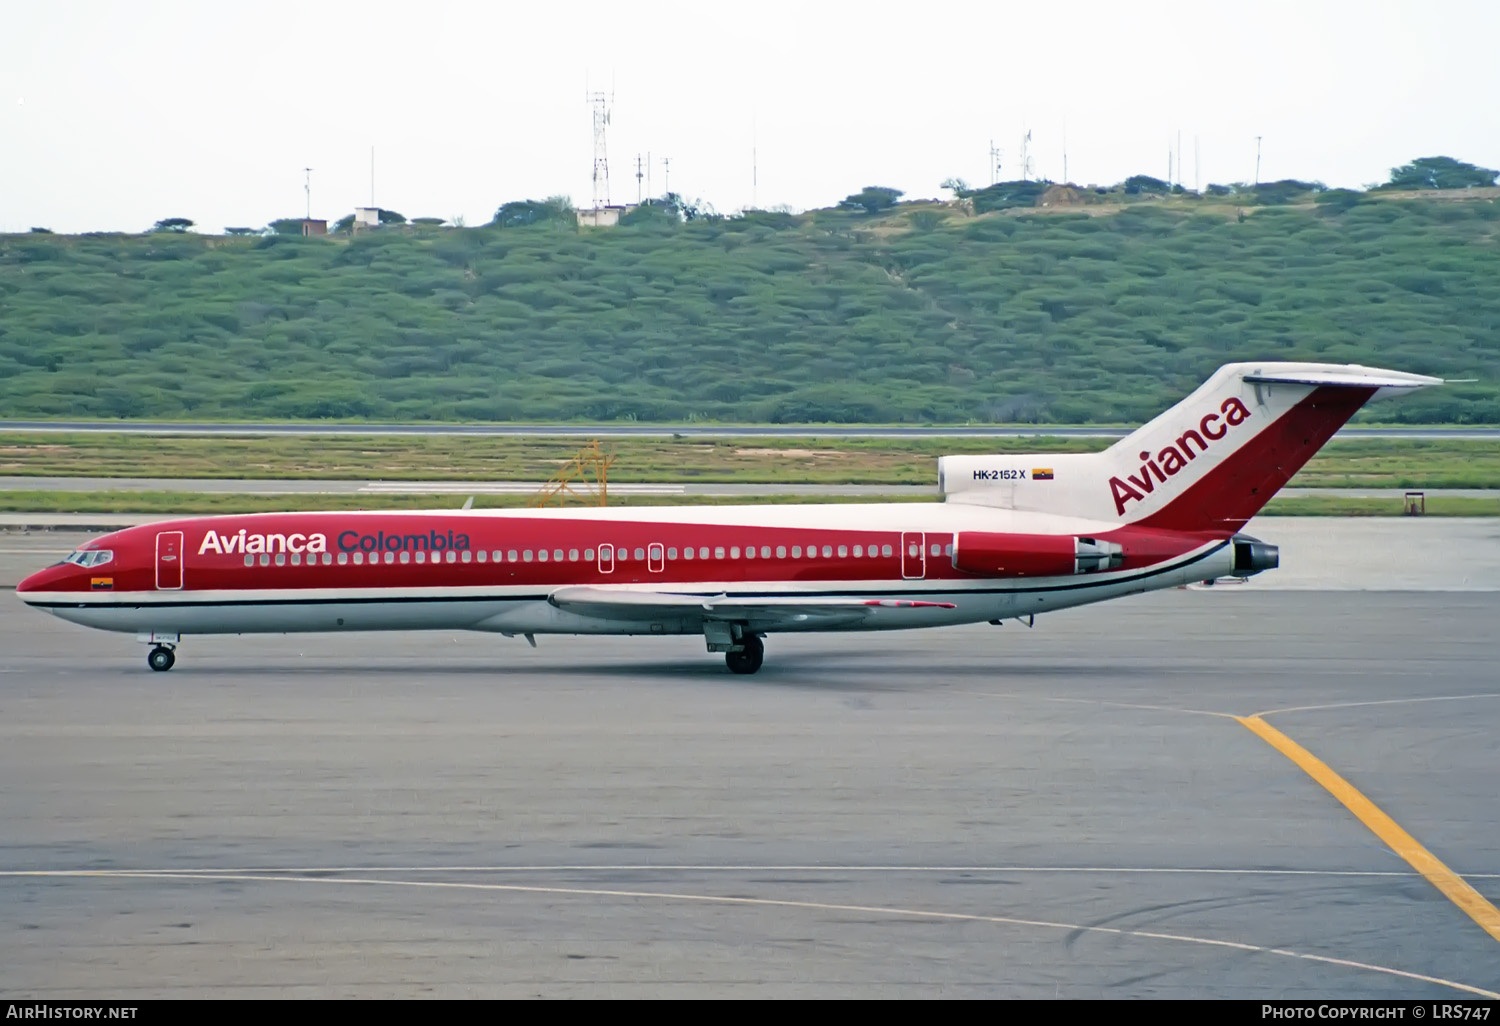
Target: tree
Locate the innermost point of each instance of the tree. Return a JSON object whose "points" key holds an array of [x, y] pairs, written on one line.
{"points": [[872, 199], [1137, 184], [1440, 173], [390, 217], [286, 226], [958, 187], [1284, 191], [241, 231], [1004, 195], [662, 211], [428, 221], [520, 213], [41, 231], [172, 224], [344, 224], [1339, 200]]}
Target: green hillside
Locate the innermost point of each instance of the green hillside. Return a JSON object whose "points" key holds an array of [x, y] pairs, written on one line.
{"points": [[925, 313]]}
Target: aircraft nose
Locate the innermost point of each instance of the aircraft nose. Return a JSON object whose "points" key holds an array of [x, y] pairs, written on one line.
{"points": [[50, 579]]}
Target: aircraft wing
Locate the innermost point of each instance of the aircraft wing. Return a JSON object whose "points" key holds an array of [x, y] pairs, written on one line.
{"points": [[622, 604]]}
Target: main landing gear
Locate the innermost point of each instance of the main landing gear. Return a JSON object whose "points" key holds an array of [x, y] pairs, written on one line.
{"points": [[748, 659], [161, 658]]}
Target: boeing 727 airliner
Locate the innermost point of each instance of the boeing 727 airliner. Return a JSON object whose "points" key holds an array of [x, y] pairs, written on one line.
{"points": [[1014, 536]]}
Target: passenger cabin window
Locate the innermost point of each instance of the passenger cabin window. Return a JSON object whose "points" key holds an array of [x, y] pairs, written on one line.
{"points": [[343, 559], [781, 552], [859, 550], [719, 552], [481, 555], [734, 552], [405, 556], [526, 556], [843, 551], [588, 555], [796, 551], [281, 559], [572, 555], [672, 553], [687, 553], [422, 556], [467, 556], [887, 551], [249, 560]]}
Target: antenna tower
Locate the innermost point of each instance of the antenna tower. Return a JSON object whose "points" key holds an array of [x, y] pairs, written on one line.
{"points": [[666, 163], [639, 174], [307, 188], [1257, 160], [600, 102], [994, 162]]}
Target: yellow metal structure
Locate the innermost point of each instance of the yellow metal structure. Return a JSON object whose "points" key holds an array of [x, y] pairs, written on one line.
{"points": [[573, 480]]}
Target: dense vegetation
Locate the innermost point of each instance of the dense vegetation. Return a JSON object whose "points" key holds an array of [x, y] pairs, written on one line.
{"points": [[921, 312]]}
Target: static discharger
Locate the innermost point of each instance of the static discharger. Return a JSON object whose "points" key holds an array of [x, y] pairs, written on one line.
{"points": [[573, 480]]}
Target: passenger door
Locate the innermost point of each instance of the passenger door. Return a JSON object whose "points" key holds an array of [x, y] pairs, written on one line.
{"points": [[169, 560], [913, 555]]}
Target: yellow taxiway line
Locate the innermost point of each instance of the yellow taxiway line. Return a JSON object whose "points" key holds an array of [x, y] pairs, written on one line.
{"points": [[1453, 886]]}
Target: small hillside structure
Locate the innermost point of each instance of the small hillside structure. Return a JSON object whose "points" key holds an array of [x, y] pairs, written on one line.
{"points": [[602, 217]]}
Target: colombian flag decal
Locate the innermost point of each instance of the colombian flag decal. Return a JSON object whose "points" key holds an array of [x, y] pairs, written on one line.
{"points": [[101, 583], [1041, 474]]}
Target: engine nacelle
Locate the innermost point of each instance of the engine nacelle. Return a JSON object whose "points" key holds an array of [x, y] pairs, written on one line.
{"points": [[1032, 555], [1251, 556]]}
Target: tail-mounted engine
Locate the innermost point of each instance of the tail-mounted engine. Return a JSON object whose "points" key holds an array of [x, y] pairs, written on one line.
{"points": [[1032, 555], [1251, 556]]}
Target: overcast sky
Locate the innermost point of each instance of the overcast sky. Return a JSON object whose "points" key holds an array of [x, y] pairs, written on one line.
{"points": [[116, 114]]}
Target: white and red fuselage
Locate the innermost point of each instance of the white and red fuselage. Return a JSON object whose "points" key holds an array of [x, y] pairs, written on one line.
{"points": [[1016, 536]]}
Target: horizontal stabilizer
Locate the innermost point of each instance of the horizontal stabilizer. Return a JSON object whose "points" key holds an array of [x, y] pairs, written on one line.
{"points": [[1348, 376]]}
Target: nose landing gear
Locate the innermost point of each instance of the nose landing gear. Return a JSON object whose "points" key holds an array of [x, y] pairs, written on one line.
{"points": [[161, 658], [163, 649]]}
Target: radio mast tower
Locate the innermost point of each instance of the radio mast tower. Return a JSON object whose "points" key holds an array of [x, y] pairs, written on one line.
{"points": [[600, 102]]}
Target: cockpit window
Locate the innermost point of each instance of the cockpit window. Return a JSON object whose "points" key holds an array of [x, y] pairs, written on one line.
{"points": [[90, 557]]}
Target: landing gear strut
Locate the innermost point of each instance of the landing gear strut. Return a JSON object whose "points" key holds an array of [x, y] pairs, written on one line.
{"points": [[748, 659], [161, 658]]}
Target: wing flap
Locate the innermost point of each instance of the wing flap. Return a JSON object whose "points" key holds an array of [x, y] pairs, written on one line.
{"points": [[623, 604]]}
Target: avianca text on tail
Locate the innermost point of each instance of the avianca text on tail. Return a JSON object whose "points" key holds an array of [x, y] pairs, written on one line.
{"points": [[1014, 536], [1212, 428]]}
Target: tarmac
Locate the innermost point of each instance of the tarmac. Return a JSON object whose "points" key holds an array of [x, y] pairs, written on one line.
{"points": [[1086, 809]]}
